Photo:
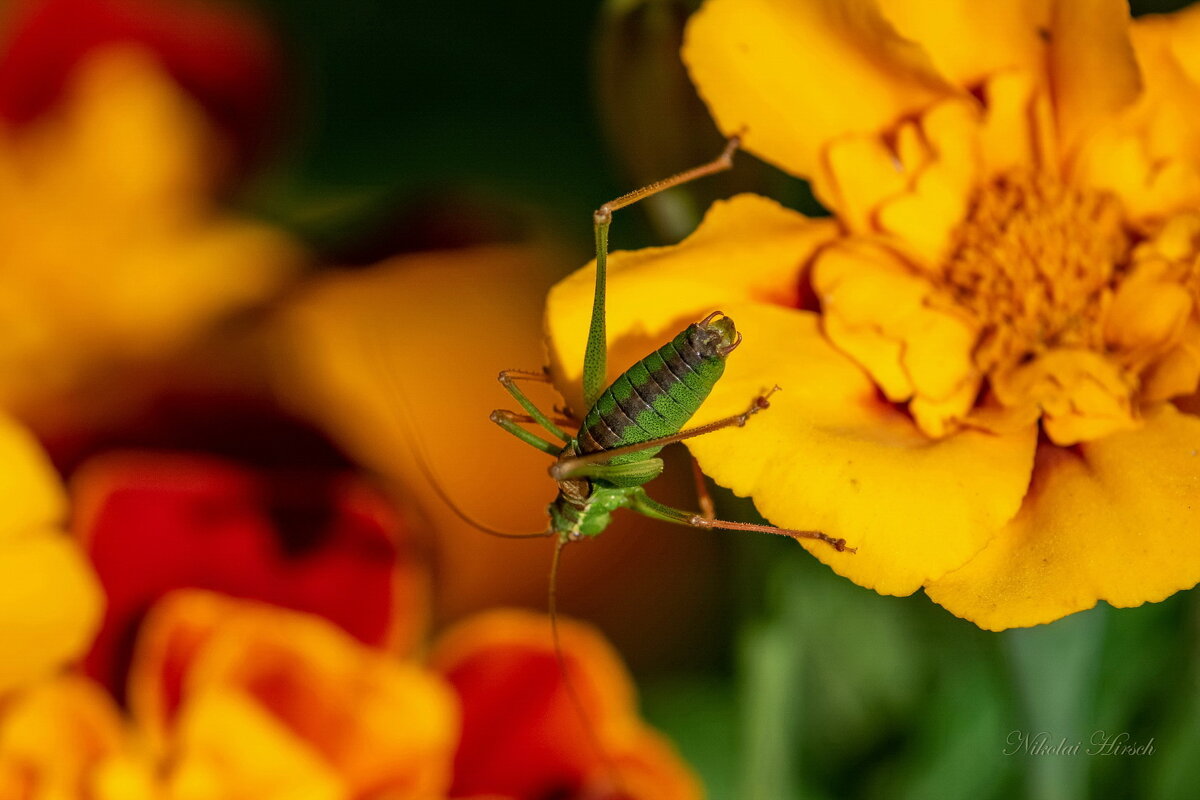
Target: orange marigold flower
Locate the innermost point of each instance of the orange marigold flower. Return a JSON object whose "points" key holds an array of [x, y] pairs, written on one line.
{"points": [[523, 737], [1015, 251], [50, 601], [244, 700]]}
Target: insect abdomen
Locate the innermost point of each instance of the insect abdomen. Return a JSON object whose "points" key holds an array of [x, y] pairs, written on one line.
{"points": [[656, 396]]}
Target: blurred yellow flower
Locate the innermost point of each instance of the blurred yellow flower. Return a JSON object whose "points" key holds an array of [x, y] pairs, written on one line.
{"points": [[65, 739], [1015, 249], [50, 601], [113, 252]]}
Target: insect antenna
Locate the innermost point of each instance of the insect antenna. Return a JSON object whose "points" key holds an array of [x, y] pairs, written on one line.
{"points": [[572, 692], [402, 411]]}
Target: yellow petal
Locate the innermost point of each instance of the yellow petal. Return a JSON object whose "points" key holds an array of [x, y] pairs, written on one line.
{"points": [[1007, 136], [1093, 70], [229, 748], [1082, 394], [925, 217], [1112, 519], [830, 455], [50, 604], [1002, 36], [33, 494], [794, 76], [878, 310], [56, 737], [747, 247]]}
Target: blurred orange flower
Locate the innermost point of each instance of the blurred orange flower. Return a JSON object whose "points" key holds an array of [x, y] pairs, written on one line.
{"points": [[63, 739], [523, 738], [114, 252], [50, 602], [1015, 249], [245, 700], [234, 699], [317, 540]]}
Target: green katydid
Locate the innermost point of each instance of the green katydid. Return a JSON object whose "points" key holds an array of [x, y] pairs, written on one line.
{"points": [[604, 466]]}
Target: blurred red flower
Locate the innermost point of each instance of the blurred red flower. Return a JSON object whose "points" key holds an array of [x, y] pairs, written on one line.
{"points": [[316, 540]]}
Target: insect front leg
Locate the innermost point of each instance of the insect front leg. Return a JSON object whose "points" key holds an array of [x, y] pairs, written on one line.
{"points": [[508, 379], [649, 507], [508, 420]]}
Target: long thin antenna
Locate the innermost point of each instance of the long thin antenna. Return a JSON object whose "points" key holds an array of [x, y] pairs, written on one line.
{"points": [[402, 412], [572, 692]]}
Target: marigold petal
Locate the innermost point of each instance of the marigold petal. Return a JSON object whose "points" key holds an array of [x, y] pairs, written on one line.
{"points": [[747, 247], [1002, 36], [878, 310], [792, 76], [50, 605], [1081, 393], [1093, 71], [1007, 136], [1110, 519], [925, 217], [830, 455]]}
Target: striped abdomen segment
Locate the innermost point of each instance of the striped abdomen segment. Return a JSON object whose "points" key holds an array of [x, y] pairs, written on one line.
{"points": [[659, 394]]}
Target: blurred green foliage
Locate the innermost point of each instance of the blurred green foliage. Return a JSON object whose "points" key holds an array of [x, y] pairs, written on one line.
{"points": [[829, 691]]}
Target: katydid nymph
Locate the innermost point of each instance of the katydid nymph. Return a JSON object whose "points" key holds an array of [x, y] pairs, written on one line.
{"points": [[605, 464]]}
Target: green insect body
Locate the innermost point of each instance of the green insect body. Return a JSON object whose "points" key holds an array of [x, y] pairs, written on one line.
{"points": [[653, 399]]}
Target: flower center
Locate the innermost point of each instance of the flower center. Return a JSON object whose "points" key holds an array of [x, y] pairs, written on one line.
{"points": [[1034, 264]]}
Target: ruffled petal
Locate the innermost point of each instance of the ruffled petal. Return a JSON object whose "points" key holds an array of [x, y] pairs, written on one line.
{"points": [[1093, 71], [793, 76], [1150, 155], [879, 311], [1112, 519], [831, 455], [1003, 36]]}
